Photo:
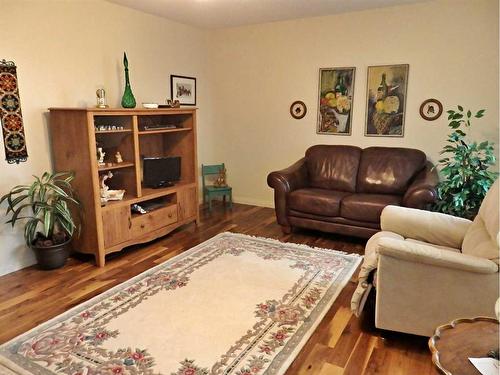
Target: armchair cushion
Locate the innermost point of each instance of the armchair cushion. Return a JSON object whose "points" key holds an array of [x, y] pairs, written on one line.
{"points": [[489, 212], [316, 201], [482, 238], [333, 168], [366, 207], [388, 170], [433, 227], [430, 255], [477, 242]]}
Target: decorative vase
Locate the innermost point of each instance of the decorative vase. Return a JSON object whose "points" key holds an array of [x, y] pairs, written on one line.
{"points": [[342, 125], [128, 100]]}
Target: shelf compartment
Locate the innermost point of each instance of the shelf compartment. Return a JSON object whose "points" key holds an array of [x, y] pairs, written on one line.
{"points": [[154, 204], [123, 179], [116, 166], [180, 121], [147, 193], [113, 131], [160, 131], [122, 142], [118, 121], [175, 144]]}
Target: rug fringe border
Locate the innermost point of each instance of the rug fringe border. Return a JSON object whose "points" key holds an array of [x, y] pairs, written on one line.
{"points": [[298, 245]]}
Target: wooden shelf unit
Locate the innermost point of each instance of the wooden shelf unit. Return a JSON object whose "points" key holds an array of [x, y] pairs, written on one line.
{"points": [[111, 227]]}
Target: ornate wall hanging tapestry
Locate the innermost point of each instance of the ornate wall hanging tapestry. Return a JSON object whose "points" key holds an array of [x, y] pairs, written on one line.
{"points": [[11, 117]]}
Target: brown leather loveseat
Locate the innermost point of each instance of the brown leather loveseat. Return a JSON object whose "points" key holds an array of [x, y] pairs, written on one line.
{"points": [[343, 189]]}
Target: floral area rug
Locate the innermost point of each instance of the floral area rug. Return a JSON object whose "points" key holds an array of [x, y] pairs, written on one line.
{"points": [[234, 304]]}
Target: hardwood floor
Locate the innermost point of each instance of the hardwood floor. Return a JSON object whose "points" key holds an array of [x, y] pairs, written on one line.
{"points": [[342, 344]]}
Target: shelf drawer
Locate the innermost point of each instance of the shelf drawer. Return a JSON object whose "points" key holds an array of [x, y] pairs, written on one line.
{"points": [[154, 220]]}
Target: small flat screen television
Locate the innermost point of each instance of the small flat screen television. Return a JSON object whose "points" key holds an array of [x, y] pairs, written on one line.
{"points": [[161, 172]]}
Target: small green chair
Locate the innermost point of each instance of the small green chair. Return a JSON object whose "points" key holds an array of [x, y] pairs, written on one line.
{"points": [[211, 191]]}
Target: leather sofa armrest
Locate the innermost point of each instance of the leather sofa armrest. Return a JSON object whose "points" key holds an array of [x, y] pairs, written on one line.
{"points": [[433, 227], [427, 254], [284, 182], [289, 179], [422, 190]]}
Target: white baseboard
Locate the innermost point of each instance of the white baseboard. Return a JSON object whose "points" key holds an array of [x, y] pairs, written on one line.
{"points": [[253, 201]]}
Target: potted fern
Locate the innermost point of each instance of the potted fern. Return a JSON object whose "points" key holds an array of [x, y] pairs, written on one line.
{"points": [[465, 168], [45, 208]]}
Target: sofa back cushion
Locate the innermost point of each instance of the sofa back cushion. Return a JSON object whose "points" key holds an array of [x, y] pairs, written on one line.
{"points": [[333, 167], [388, 170], [483, 236]]}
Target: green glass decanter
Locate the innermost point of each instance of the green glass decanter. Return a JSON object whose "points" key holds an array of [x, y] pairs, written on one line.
{"points": [[128, 100]]}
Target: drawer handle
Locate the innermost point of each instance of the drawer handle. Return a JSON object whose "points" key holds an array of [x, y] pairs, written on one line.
{"points": [[170, 215], [142, 226], [129, 223]]}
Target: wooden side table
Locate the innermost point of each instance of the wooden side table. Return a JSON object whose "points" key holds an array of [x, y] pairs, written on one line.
{"points": [[453, 344]]}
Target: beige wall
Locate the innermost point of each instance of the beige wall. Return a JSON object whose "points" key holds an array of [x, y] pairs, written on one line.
{"points": [[64, 51], [451, 46]]}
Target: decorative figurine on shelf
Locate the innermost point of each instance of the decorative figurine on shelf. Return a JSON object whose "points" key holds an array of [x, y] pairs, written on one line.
{"points": [[101, 98], [172, 103], [106, 193], [221, 178], [128, 100], [118, 157], [104, 187], [100, 157]]}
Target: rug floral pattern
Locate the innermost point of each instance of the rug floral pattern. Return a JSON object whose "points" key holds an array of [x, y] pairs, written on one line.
{"points": [[74, 343]]}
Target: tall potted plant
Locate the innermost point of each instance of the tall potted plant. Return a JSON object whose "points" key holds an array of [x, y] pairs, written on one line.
{"points": [[45, 208], [465, 168]]}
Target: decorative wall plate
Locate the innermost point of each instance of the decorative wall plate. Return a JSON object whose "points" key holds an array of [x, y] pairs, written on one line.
{"points": [[298, 109], [431, 109]]}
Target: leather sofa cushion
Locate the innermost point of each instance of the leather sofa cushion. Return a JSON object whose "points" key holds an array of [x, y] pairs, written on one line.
{"points": [[335, 219], [388, 170], [333, 167], [316, 201], [367, 207]]}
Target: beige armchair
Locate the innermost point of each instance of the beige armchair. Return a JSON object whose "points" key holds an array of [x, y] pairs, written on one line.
{"points": [[430, 268]]}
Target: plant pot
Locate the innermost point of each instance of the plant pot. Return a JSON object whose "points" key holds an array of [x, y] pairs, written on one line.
{"points": [[52, 257]]}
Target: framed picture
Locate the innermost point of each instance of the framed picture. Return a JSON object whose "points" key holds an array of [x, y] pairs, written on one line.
{"points": [[183, 89], [431, 109], [335, 96], [386, 100]]}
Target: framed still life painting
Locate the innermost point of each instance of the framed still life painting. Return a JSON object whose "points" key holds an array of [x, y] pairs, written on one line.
{"points": [[386, 100], [336, 89]]}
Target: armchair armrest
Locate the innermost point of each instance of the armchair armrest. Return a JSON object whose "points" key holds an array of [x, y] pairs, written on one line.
{"points": [[433, 227], [426, 254], [422, 191], [283, 182]]}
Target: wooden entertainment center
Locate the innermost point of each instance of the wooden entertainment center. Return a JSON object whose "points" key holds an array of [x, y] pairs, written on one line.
{"points": [[111, 226]]}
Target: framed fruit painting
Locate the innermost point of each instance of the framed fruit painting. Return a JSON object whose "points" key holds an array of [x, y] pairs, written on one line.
{"points": [[386, 100], [336, 89]]}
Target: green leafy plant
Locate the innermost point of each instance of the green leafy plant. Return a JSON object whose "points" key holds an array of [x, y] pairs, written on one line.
{"points": [[46, 206], [465, 168]]}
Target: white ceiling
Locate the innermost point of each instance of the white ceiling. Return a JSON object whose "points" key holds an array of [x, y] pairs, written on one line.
{"points": [[228, 13]]}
